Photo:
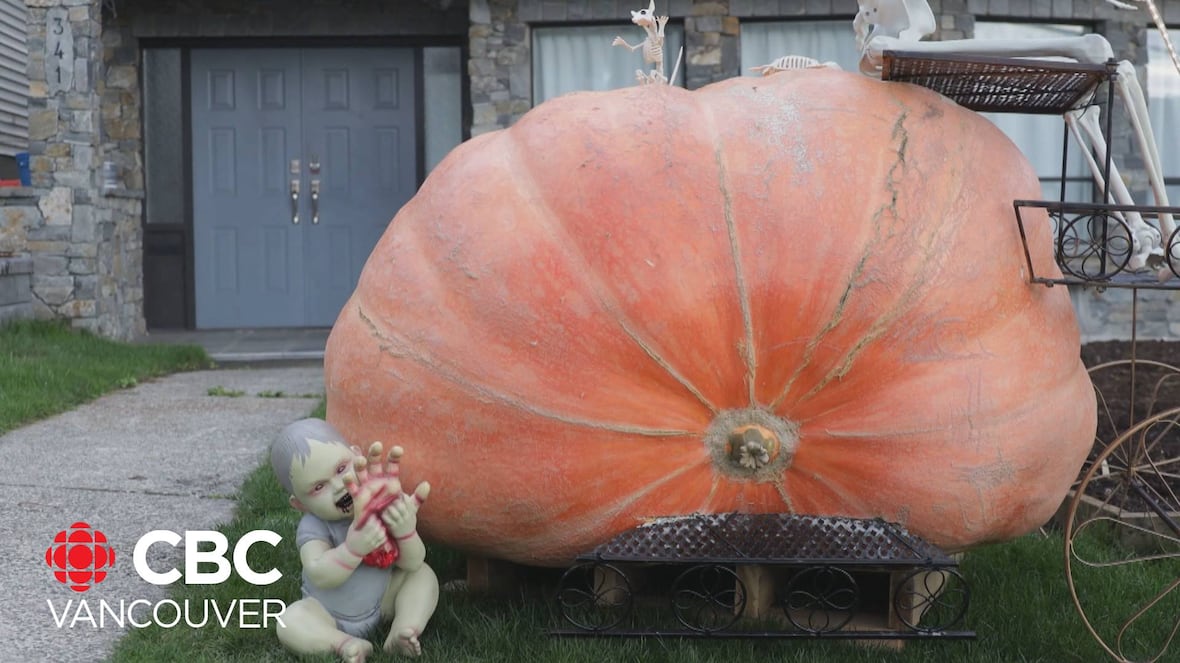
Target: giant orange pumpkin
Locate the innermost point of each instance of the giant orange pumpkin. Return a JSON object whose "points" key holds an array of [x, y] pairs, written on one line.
{"points": [[578, 323]]}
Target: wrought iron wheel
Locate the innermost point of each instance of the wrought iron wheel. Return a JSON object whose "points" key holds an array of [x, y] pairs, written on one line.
{"points": [[931, 600], [821, 599], [708, 598], [1092, 247], [594, 596], [1122, 531]]}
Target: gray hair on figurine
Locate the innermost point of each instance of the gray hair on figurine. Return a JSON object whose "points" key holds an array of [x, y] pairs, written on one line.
{"points": [[291, 443]]}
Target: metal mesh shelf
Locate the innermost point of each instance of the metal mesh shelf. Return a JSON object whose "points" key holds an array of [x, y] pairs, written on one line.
{"points": [[777, 539], [1000, 85]]}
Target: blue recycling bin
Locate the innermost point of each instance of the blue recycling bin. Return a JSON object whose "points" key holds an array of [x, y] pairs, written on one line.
{"points": [[22, 166]]}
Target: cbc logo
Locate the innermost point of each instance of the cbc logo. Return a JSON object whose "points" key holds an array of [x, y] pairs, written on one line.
{"points": [[81, 555]]}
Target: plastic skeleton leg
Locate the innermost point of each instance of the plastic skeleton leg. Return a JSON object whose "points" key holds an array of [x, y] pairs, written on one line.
{"points": [[1087, 122], [1127, 84], [1146, 249]]}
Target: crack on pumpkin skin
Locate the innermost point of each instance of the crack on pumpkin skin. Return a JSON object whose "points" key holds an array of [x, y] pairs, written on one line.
{"points": [[400, 349], [902, 136], [837, 316], [597, 287], [746, 349], [855, 434], [909, 296], [857, 272], [854, 277]]}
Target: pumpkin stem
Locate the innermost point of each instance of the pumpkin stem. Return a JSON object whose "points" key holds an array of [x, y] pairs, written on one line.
{"points": [[751, 443]]}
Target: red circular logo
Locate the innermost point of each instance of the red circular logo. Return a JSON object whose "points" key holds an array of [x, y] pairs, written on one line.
{"points": [[80, 556]]}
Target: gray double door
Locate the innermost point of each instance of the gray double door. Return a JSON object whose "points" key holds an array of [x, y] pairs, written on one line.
{"points": [[300, 159]]}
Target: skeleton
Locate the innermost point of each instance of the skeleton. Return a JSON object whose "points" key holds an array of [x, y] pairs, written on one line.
{"points": [[883, 25], [1159, 25], [653, 45], [789, 62]]}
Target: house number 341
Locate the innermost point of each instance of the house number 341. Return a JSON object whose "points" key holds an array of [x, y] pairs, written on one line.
{"points": [[59, 50]]}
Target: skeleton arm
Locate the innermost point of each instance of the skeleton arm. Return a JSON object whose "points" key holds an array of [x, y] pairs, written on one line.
{"points": [[619, 41]]}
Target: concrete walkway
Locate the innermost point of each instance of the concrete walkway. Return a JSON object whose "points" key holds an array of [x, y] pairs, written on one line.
{"points": [[249, 345], [162, 455]]}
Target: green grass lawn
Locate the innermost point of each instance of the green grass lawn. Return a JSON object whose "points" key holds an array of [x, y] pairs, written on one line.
{"points": [[47, 368], [1020, 609]]}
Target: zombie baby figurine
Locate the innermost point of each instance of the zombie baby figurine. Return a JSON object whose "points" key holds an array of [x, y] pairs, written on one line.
{"points": [[363, 562]]}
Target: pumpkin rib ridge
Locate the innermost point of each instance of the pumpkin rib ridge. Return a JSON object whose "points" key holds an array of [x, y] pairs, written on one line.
{"points": [[780, 487], [867, 252], [613, 509], [597, 286], [911, 296], [837, 317], [443, 370], [747, 352]]}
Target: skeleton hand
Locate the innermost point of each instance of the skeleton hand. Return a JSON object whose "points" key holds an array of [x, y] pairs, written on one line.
{"points": [[860, 26]]}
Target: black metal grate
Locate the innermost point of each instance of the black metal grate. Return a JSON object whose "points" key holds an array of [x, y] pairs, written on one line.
{"points": [[770, 539], [1000, 85]]}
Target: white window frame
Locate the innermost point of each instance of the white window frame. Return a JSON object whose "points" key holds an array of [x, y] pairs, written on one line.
{"points": [[829, 39], [1163, 81], [590, 62]]}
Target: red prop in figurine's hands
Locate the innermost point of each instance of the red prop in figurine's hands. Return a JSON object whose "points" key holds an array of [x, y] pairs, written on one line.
{"points": [[377, 493]]}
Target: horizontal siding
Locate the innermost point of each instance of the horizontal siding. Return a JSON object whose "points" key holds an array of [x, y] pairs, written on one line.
{"points": [[14, 78]]}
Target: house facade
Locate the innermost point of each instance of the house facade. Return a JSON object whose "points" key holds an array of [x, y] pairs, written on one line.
{"points": [[215, 164]]}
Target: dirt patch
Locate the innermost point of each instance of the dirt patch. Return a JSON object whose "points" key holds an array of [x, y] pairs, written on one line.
{"points": [[1128, 394]]}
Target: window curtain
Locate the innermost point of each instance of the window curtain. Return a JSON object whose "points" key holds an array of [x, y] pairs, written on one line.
{"points": [[1163, 103], [765, 42], [1040, 137], [570, 59]]}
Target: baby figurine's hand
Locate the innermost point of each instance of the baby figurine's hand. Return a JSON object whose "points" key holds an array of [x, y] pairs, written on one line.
{"points": [[401, 517], [365, 537]]}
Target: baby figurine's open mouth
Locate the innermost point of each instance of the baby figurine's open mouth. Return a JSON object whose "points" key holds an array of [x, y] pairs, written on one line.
{"points": [[345, 503]]}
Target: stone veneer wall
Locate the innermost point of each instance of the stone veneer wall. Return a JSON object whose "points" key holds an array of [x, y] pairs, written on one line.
{"points": [[85, 246], [15, 289], [17, 206]]}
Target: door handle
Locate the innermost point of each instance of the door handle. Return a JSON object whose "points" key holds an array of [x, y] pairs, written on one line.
{"points": [[315, 202], [295, 201]]}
